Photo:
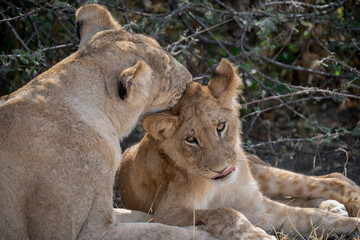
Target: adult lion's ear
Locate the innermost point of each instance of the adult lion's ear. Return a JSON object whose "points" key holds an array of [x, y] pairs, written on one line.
{"points": [[225, 82], [93, 18], [132, 79], [160, 125]]}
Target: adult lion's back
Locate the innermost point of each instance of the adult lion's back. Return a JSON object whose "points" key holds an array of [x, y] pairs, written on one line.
{"points": [[39, 144], [59, 134]]}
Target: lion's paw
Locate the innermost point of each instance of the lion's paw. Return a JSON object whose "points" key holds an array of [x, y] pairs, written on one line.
{"points": [[334, 206], [258, 234]]}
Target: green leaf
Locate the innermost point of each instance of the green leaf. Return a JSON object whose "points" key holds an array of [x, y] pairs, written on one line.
{"points": [[329, 139], [356, 131], [24, 60], [235, 51]]}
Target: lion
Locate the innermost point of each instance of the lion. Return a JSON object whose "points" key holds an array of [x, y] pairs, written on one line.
{"points": [[59, 135], [190, 168]]}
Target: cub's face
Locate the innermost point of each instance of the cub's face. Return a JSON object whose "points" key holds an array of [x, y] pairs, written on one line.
{"points": [[137, 71], [201, 132]]}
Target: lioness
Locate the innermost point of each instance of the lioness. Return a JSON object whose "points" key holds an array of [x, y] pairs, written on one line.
{"points": [[190, 167], [59, 134]]}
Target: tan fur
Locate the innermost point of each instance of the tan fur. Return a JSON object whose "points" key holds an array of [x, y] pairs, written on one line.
{"points": [[59, 135], [171, 169], [307, 191]]}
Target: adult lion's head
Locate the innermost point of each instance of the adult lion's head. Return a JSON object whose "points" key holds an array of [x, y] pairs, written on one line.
{"points": [[138, 72], [201, 132]]}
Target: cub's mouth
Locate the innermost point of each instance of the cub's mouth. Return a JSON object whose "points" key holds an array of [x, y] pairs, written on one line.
{"points": [[224, 174]]}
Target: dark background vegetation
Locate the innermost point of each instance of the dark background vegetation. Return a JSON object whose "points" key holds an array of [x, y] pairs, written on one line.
{"points": [[299, 62]]}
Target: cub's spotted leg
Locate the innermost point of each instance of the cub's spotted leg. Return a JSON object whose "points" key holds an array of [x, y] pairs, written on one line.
{"points": [[278, 183], [305, 220], [338, 176], [223, 222], [270, 215], [332, 206]]}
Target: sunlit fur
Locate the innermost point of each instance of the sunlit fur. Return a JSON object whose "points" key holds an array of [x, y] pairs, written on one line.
{"points": [[59, 135], [163, 168]]}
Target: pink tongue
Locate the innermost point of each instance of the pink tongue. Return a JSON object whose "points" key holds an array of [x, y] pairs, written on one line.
{"points": [[225, 173]]}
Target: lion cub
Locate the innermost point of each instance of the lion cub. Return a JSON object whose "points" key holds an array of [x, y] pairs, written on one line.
{"points": [[190, 169]]}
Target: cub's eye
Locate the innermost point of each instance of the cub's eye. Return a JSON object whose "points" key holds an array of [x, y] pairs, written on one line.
{"points": [[220, 127], [191, 140]]}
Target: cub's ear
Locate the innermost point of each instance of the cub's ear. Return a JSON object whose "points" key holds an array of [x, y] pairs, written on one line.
{"points": [[132, 80], [160, 125], [225, 82], [93, 18]]}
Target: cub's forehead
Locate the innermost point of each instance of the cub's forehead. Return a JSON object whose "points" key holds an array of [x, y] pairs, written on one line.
{"points": [[195, 99], [199, 105], [199, 119], [197, 93], [205, 114]]}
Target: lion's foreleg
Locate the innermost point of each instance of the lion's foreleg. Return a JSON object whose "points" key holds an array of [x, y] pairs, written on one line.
{"points": [[295, 220], [278, 183]]}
